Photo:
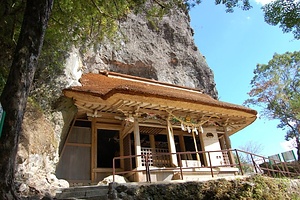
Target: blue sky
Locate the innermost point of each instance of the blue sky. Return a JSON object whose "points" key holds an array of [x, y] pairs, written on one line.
{"points": [[233, 44]]}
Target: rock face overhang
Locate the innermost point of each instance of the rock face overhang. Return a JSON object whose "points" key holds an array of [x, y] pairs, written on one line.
{"points": [[119, 93]]}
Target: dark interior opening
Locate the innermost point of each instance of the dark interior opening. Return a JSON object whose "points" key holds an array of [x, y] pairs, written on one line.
{"points": [[145, 141], [107, 148], [83, 123], [190, 146], [132, 150], [161, 141]]}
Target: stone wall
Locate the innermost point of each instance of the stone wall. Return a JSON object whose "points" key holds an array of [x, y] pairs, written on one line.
{"points": [[251, 188]]}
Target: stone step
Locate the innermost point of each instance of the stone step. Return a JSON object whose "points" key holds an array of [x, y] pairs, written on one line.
{"points": [[83, 192]]}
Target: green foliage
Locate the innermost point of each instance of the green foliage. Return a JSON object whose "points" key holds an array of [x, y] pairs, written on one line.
{"points": [[266, 188], [229, 4], [276, 88], [11, 14], [286, 13]]}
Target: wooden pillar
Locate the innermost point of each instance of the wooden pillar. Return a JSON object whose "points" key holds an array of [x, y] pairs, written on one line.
{"points": [[125, 146], [196, 148], [152, 143], [137, 142], [171, 144], [222, 142], [203, 149], [182, 147], [127, 152], [181, 143], [94, 150], [121, 143], [228, 145]]}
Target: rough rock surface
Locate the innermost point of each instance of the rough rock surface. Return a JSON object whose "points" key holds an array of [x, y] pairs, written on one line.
{"points": [[256, 187], [109, 179], [38, 155], [165, 52]]}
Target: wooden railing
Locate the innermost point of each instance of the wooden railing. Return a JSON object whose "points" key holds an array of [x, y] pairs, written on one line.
{"points": [[246, 162]]}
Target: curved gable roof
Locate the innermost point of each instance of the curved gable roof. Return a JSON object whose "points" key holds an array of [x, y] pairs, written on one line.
{"points": [[113, 89], [107, 84]]}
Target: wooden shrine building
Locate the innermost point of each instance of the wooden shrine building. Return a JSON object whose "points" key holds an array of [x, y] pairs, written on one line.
{"points": [[121, 115]]}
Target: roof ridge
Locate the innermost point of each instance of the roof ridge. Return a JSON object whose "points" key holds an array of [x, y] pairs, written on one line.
{"points": [[150, 81]]}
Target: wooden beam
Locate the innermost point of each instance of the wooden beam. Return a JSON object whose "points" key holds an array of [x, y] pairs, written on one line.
{"points": [[68, 135], [152, 125], [108, 126], [125, 130], [78, 144]]}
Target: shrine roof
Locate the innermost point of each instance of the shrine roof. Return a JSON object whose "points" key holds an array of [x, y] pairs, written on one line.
{"points": [[107, 84]]}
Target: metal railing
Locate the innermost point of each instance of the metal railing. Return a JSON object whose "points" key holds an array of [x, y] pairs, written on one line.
{"points": [[246, 162]]}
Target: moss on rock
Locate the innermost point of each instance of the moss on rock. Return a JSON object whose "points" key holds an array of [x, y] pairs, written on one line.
{"points": [[255, 187]]}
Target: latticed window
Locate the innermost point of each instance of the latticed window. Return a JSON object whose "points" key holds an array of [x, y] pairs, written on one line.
{"points": [[158, 158]]}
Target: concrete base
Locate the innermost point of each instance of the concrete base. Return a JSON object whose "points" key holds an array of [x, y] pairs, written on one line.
{"points": [[169, 174]]}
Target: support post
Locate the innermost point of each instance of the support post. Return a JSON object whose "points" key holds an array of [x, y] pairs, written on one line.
{"points": [[196, 148], [171, 144], [201, 139], [152, 146], [137, 143], [182, 147], [228, 145], [121, 139], [223, 147], [93, 150], [152, 143]]}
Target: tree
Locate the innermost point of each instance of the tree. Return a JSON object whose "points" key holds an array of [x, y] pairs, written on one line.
{"points": [[246, 159], [16, 90], [252, 147], [275, 87], [286, 13]]}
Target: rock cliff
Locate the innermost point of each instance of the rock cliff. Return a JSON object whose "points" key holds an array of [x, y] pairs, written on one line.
{"points": [[164, 51]]}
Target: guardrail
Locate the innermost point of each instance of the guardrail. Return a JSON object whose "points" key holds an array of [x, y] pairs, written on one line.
{"points": [[244, 161]]}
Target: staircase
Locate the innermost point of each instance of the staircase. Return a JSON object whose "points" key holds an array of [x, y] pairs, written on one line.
{"points": [[83, 192]]}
